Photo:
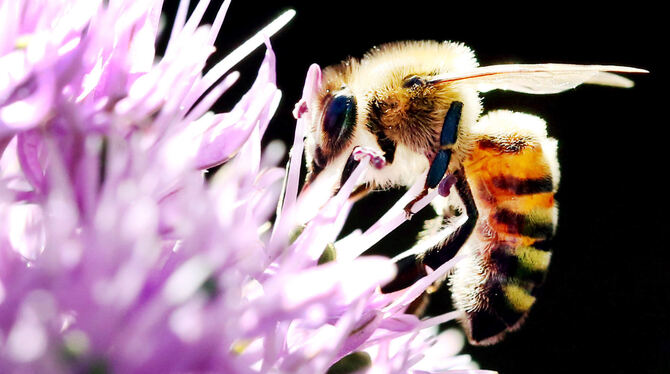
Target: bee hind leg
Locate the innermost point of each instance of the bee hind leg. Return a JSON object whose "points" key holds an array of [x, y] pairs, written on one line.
{"points": [[410, 270]]}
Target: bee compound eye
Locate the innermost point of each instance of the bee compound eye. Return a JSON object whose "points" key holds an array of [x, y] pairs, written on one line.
{"points": [[339, 117], [413, 81]]}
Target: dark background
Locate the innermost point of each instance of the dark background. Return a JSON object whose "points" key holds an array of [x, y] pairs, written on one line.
{"points": [[605, 303]]}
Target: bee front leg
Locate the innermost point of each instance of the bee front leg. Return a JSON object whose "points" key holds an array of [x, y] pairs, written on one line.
{"points": [[376, 160], [440, 163]]}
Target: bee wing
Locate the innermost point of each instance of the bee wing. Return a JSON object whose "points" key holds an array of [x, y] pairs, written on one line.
{"points": [[539, 78]]}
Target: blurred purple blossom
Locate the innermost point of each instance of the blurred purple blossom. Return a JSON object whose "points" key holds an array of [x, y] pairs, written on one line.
{"points": [[118, 256]]}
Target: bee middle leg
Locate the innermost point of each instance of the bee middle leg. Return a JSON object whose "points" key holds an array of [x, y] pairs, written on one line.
{"points": [[450, 247], [412, 268], [440, 163]]}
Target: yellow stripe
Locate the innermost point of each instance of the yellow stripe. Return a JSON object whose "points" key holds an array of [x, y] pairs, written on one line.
{"points": [[541, 215], [532, 258], [518, 298]]}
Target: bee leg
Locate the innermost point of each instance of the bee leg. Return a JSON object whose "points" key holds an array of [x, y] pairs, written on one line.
{"points": [[359, 192], [410, 270], [413, 267], [447, 250], [435, 173], [376, 160], [346, 172], [440, 163], [408, 208]]}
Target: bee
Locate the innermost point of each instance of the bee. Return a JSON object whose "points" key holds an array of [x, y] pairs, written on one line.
{"points": [[418, 103]]}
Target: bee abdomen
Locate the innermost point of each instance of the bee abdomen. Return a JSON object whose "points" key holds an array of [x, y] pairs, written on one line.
{"points": [[500, 291], [513, 175]]}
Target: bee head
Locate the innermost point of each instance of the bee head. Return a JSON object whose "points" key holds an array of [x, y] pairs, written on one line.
{"points": [[388, 100]]}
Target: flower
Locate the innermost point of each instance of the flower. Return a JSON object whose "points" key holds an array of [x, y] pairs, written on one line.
{"points": [[117, 255]]}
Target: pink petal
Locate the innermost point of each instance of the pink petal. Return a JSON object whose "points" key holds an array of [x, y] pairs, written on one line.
{"points": [[30, 148]]}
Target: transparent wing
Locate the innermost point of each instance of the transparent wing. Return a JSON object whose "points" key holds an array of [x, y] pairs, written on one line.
{"points": [[539, 78]]}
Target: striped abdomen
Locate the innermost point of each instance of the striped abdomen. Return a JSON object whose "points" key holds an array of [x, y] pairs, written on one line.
{"points": [[513, 174]]}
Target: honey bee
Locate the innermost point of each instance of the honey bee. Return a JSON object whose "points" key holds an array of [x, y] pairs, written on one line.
{"points": [[418, 103]]}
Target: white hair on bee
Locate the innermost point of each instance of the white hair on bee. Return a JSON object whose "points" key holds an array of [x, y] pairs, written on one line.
{"points": [[395, 61], [468, 278], [502, 122]]}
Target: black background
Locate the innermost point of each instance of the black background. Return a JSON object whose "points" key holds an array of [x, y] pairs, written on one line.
{"points": [[605, 303]]}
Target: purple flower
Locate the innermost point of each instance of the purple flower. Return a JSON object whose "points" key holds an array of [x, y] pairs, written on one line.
{"points": [[118, 256]]}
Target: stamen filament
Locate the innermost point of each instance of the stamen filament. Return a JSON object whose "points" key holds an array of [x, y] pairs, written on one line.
{"points": [[218, 70]]}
